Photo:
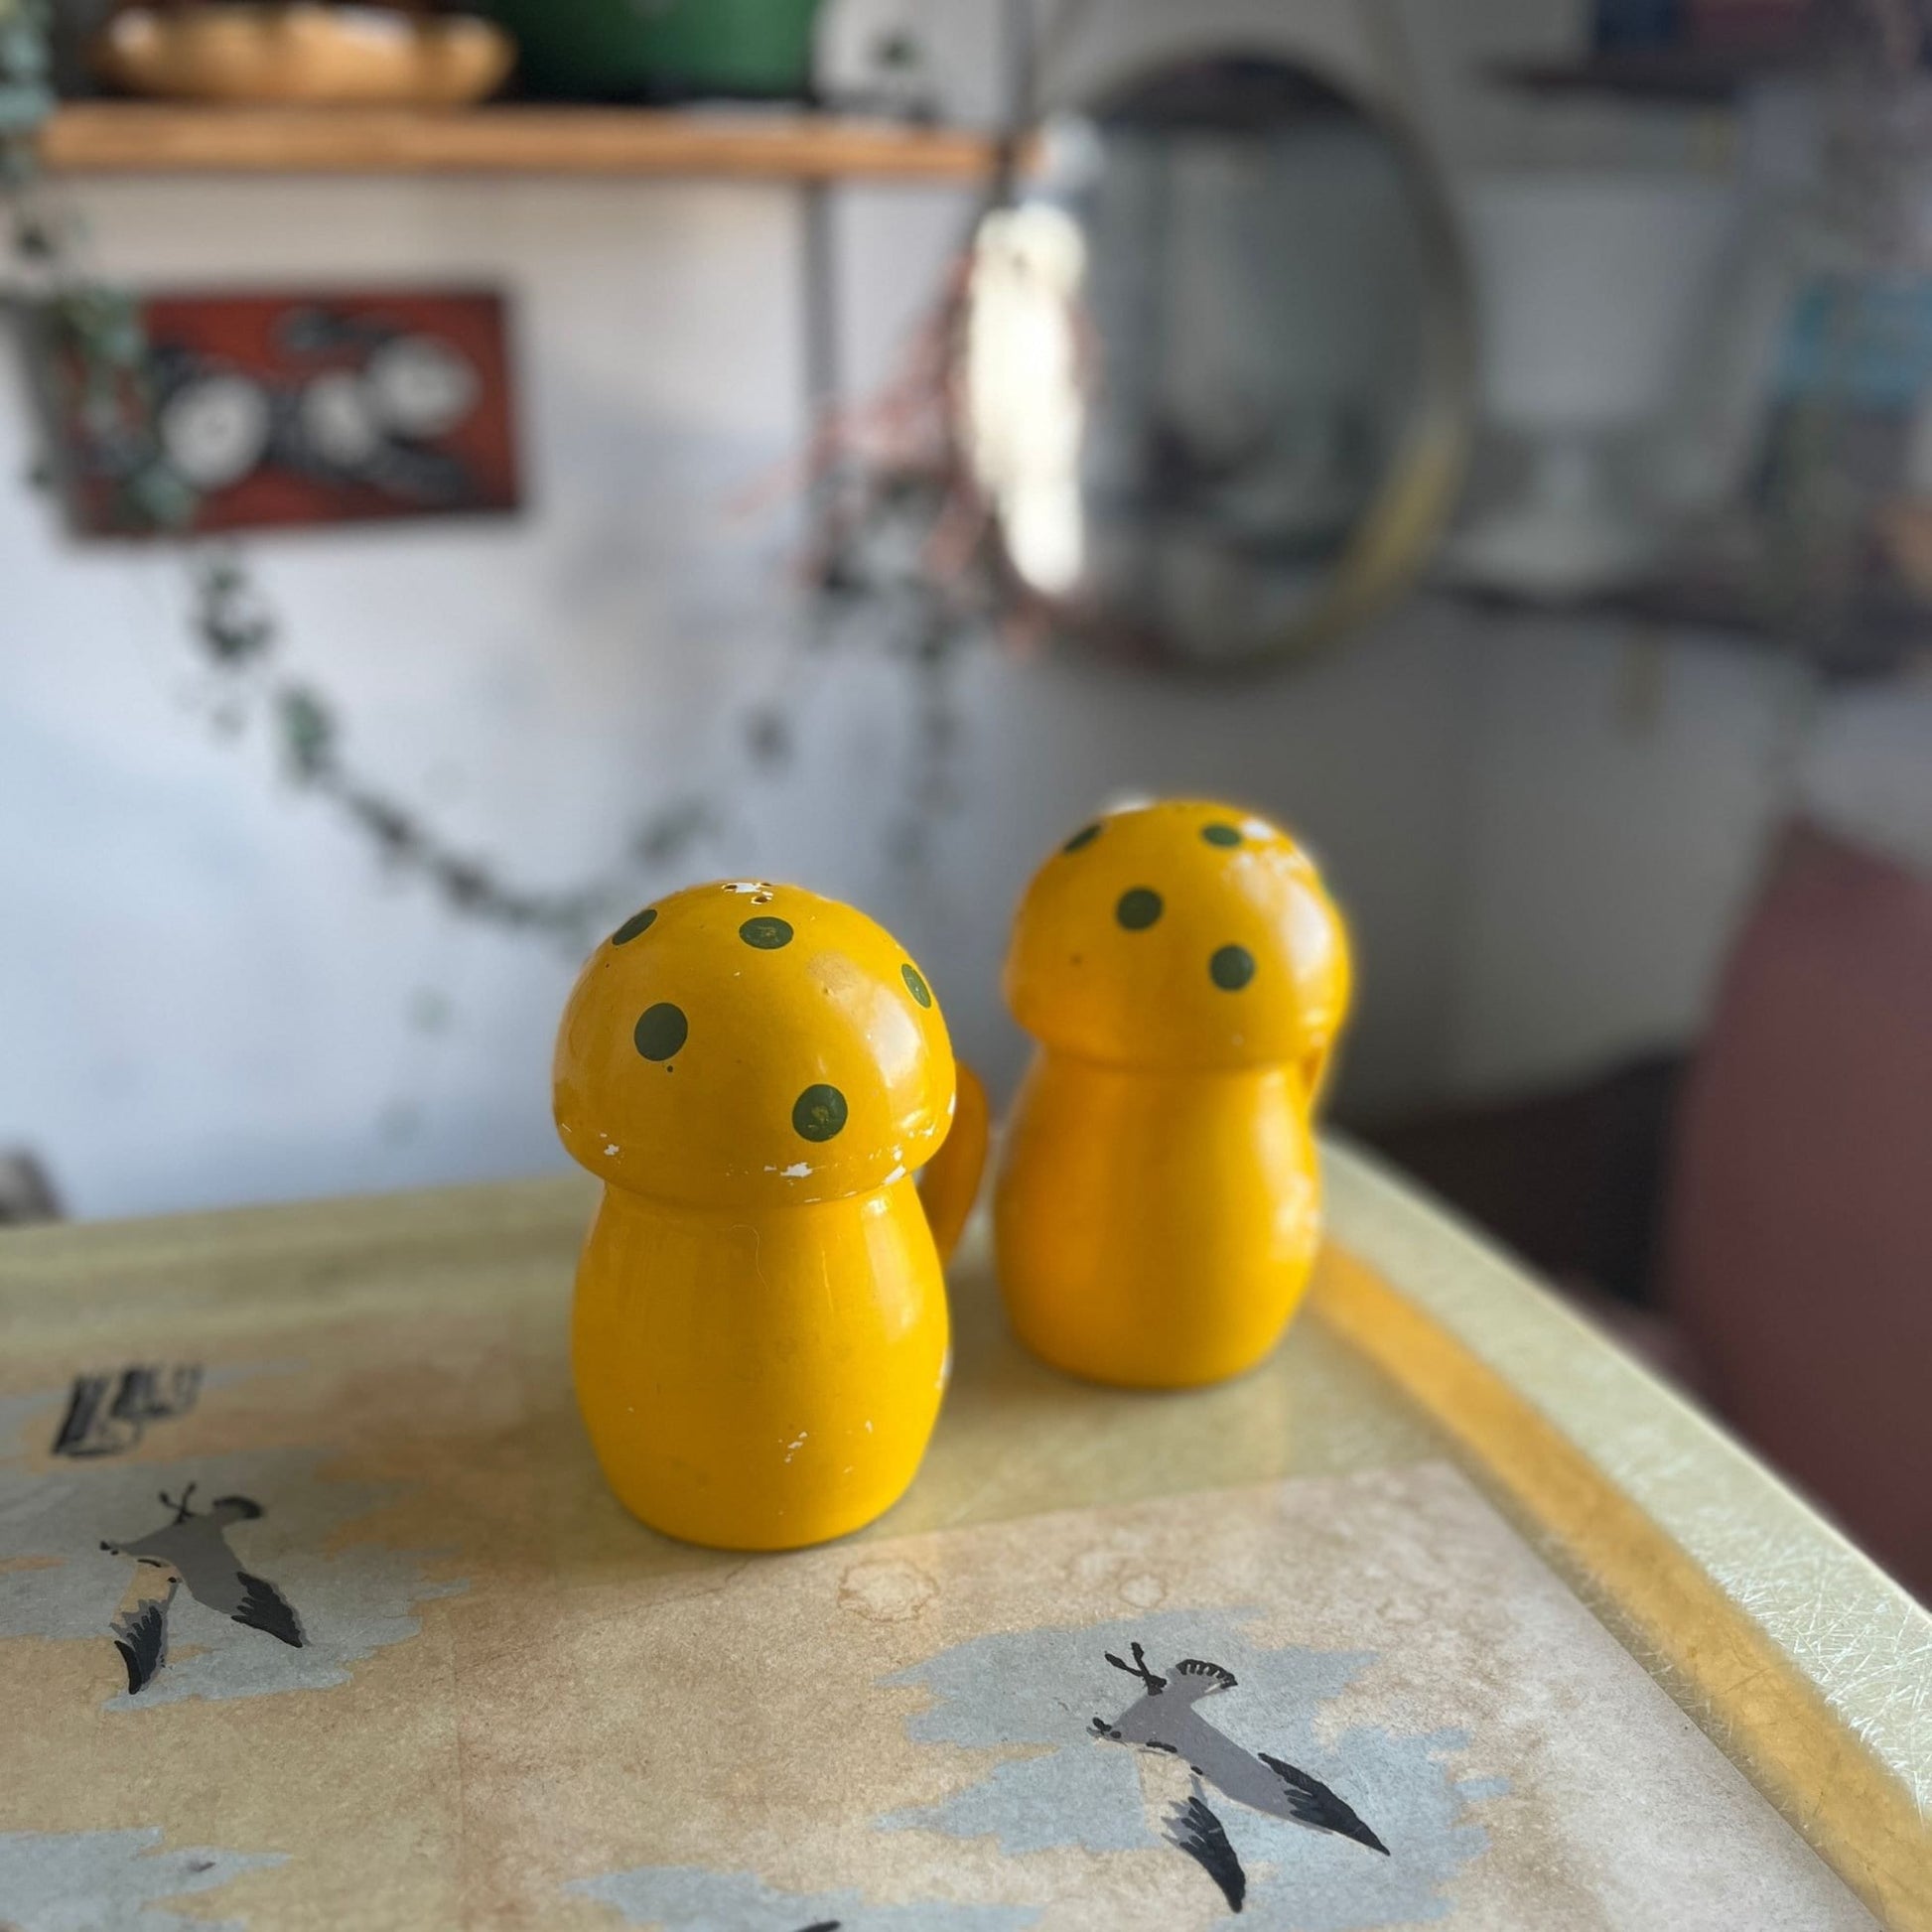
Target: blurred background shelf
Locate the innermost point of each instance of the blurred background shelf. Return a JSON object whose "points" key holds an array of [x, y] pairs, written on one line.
{"points": [[1693, 76], [125, 137], [1880, 628]]}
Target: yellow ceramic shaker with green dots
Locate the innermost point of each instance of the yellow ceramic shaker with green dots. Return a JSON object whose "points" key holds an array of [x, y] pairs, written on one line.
{"points": [[1185, 975], [759, 1337]]}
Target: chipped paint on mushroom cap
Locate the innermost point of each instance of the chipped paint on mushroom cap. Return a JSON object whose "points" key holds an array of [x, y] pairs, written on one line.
{"points": [[750, 1044], [1181, 935]]}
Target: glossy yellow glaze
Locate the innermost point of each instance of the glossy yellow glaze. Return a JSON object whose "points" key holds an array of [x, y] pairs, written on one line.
{"points": [[1185, 976], [759, 1337]]}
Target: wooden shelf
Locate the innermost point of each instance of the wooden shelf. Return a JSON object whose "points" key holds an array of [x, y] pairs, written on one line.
{"points": [[126, 137]]}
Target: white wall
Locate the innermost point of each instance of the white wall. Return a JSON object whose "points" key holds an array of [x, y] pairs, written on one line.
{"points": [[1621, 788], [207, 989], [204, 985]]}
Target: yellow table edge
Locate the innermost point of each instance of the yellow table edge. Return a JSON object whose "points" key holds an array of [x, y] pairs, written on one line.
{"points": [[1810, 1667]]}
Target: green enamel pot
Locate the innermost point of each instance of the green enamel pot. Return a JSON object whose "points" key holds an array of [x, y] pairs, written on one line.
{"points": [[662, 50]]}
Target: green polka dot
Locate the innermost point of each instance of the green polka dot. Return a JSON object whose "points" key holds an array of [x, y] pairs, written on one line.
{"points": [[1231, 968], [661, 1031], [632, 926], [1221, 834], [1081, 839], [914, 985], [1139, 908], [818, 1113], [768, 934]]}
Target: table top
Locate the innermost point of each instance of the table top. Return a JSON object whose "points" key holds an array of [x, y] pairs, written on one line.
{"points": [[403, 1661]]}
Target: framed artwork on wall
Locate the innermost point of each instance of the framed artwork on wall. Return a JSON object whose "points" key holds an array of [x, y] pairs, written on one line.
{"points": [[295, 407]]}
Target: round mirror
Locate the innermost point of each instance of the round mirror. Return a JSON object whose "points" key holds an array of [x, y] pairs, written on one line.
{"points": [[1217, 368]]}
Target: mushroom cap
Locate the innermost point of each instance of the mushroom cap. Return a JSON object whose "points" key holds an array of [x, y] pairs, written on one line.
{"points": [[1178, 936], [740, 1043]]}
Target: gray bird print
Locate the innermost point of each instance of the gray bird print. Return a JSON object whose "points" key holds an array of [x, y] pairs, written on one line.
{"points": [[192, 1550], [1163, 1720]]}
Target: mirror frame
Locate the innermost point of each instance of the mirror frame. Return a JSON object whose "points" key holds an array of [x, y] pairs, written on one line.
{"points": [[1413, 505]]}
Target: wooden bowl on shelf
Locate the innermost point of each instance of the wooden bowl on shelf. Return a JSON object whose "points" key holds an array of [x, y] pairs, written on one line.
{"points": [[302, 54]]}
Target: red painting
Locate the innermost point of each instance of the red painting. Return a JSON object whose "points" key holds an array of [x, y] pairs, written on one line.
{"points": [[272, 410]]}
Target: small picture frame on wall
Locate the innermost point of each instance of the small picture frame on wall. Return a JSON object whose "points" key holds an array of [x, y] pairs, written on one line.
{"points": [[288, 408]]}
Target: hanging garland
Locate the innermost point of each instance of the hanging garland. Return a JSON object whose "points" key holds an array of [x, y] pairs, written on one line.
{"points": [[891, 467], [90, 337]]}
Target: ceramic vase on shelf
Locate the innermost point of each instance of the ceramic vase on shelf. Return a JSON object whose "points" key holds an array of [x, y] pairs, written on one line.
{"points": [[1590, 286], [663, 49]]}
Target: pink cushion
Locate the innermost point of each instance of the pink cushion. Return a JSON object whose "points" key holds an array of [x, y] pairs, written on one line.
{"points": [[1799, 1255]]}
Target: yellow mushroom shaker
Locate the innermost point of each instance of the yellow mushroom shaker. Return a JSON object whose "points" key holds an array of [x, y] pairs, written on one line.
{"points": [[759, 1339], [1183, 975]]}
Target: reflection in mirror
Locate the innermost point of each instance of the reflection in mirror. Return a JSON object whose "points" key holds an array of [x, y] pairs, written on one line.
{"points": [[1216, 367]]}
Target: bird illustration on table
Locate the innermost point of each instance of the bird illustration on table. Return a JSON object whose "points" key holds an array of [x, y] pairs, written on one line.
{"points": [[192, 1550], [1164, 1723]]}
